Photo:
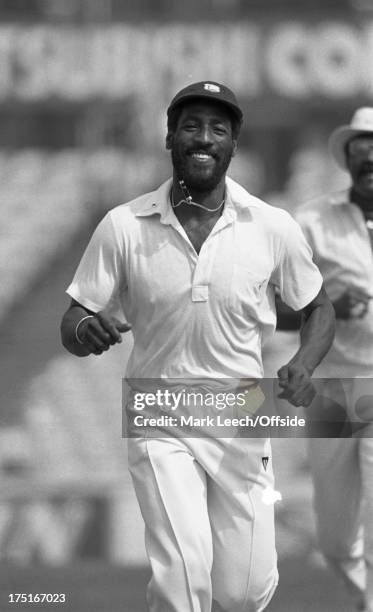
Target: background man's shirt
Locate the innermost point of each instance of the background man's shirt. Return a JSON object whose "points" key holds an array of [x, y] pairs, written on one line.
{"points": [[337, 232]]}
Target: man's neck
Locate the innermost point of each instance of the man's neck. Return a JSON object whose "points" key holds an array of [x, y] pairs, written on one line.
{"points": [[364, 203], [211, 203]]}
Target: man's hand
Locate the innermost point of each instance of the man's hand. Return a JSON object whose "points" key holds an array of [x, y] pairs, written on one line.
{"points": [[84, 332], [352, 304], [296, 384], [100, 331]]}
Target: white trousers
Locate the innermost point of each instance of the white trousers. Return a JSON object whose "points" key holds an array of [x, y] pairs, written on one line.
{"points": [[209, 528], [342, 470]]}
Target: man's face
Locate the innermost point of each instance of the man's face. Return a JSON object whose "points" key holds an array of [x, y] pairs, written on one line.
{"points": [[202, 144], [359, 160]]}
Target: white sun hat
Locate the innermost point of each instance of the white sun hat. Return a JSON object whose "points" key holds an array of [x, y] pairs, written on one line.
{"points": [[361, 123]]}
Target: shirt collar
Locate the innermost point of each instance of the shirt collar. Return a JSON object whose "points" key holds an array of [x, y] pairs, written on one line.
{"points": [[158, 202], [239, 197]]}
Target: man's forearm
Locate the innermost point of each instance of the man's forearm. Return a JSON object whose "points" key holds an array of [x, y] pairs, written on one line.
{"points": [[68, 326], [316, 335]]}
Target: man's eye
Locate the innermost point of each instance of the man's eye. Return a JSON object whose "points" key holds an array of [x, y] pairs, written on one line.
{"points": [[189, 126], [220, 129]]}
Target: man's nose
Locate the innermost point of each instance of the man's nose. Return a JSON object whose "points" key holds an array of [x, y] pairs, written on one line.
{"points": [[204, 135]]}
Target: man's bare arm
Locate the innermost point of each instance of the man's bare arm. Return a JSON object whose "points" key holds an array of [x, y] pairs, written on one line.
{"points": [[316, 337], [84, 332]]}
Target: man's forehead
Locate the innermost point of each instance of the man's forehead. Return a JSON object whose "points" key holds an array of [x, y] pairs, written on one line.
{"points": [[365, 136]]}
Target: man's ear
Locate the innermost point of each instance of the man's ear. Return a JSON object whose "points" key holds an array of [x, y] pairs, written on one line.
{"points": [[169, 139], [234, 148]]}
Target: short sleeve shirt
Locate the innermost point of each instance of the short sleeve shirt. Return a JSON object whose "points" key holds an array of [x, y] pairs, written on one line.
{"points": [[337, 233], [196, 315]]}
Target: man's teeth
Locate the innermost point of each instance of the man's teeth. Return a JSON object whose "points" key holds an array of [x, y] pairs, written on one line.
{"points": [[201, 156]]}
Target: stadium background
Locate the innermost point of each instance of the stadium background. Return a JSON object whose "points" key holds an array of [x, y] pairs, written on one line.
{"points": [[84, 85]]}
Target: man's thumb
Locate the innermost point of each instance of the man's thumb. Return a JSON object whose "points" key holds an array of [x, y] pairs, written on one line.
{"points": [[123, 327]]}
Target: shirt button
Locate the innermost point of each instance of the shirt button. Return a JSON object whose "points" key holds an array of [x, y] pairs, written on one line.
{"points": [[200, 293]]}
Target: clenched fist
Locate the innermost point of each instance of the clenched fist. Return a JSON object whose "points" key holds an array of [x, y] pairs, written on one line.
{"points": [[97, 333]]}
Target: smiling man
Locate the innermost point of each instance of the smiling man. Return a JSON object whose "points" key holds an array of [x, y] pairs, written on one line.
{"points": [[194, 266]]}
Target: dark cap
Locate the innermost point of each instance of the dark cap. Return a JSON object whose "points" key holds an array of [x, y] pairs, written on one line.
{"points": [[210, 90]]}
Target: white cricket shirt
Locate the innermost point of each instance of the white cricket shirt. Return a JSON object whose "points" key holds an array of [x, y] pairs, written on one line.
{"points": [[195, 315]]}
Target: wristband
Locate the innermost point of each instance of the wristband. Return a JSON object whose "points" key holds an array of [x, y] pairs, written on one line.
{"points": [[78, 325]]}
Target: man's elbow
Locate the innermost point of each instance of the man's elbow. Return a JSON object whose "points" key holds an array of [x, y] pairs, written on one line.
{"points": [[328, 311], [324, 309], [332, 319]]}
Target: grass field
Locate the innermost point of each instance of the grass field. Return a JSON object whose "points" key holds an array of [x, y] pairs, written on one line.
{"points": [[99, 588]]}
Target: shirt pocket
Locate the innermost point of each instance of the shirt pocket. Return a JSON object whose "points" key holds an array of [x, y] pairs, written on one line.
{"points": [[247, 290]]}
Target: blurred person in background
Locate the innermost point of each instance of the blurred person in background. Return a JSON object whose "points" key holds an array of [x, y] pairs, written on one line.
{"points": [[339, 228], [194, 266]]}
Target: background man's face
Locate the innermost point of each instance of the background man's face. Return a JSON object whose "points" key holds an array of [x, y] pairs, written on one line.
{"points": [[359, 158], [202, 144]]}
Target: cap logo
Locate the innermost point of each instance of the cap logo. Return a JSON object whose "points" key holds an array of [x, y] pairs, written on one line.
{"points": [[211, 87]]}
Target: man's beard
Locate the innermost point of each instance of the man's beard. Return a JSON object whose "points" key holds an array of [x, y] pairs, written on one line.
{"points": [[200, 180], [362, 181]]}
